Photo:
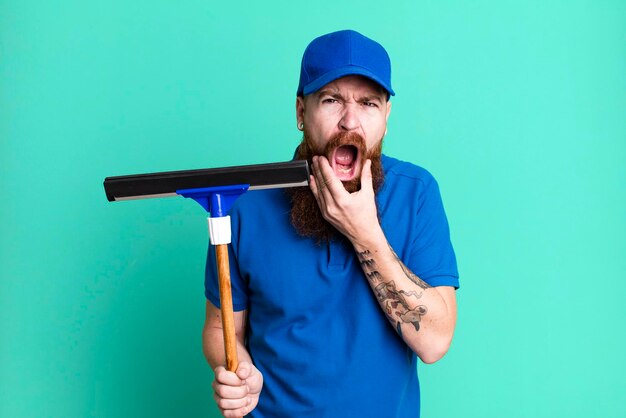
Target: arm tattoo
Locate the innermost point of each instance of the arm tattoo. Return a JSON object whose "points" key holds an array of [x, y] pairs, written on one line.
{"points": [[365, 258], [396, 305], [393, 301], [369, 266], [408, 273]]}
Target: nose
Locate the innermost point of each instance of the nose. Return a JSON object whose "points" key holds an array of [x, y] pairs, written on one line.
{"points": [[349, 118]]}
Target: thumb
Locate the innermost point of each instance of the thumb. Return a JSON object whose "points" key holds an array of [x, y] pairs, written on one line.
{"points": [[366, 177], [244, 370]]}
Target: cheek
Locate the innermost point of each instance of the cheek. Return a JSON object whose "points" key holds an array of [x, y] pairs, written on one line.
{"points": [[319, 129], [375, 132], [314, 137]]}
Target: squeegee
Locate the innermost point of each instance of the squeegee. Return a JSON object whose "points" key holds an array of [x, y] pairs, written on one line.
{"points": [[215, 189]]}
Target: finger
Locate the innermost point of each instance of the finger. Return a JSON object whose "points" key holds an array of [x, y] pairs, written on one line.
{"points": [[236, 413], [313, 185], [317, 174], [317, 186], [254, 381], [229, 404], [366, 178], [225, 377], [244, 370], [331, 181], [230, 392]]}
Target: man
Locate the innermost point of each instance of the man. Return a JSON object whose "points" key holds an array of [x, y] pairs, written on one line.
{"points": [[339, 287]]}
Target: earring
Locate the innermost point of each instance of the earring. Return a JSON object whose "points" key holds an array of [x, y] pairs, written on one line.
{"points": [[300, 126]]}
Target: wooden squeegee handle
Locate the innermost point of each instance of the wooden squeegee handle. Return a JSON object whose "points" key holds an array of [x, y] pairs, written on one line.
{"points": [[226, 307]]}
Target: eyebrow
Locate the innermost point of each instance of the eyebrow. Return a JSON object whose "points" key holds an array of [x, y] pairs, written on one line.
{"points": [[332, 93], [336, 95], [374, 97]]}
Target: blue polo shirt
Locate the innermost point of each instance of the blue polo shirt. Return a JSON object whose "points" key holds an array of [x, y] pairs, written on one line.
{"points": [[315, 329]]}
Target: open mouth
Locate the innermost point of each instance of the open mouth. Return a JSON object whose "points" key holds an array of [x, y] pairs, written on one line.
{"points": [[345, 162]]}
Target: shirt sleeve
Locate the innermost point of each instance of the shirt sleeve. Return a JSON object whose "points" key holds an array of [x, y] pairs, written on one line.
{"points": [[432, 256], [238, 285]]}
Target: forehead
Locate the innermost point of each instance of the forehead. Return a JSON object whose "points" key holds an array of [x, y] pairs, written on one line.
{"points": [[353, 84]]}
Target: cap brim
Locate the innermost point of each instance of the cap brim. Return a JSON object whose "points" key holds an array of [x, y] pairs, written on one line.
{"points": [[320, 82]]}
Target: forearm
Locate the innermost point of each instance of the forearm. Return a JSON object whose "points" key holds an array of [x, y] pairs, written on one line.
{"points": [[236, 392], [213, 348], [213, 337], [419, 313]]}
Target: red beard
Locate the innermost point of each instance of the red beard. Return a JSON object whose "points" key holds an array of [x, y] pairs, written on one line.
{"points": [[306, 216]]}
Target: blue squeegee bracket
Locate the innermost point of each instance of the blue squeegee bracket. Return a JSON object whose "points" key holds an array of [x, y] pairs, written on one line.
{"points": [[215, 200]]}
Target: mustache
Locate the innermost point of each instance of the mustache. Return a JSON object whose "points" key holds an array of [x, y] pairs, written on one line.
{"points": [[307, 149], [346, 139]]}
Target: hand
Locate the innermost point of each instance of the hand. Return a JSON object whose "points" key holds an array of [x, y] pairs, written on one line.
{"points": [[237, 394], [353, 214]]}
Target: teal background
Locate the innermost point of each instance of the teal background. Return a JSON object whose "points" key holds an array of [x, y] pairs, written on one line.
{"points": [[517, 107]]}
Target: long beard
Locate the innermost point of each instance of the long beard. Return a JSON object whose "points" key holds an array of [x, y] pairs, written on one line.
{"points": [[306, 216]]}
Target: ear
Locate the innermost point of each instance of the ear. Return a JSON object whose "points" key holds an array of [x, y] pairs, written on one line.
{"points": [[388, 111], [299, 109]]}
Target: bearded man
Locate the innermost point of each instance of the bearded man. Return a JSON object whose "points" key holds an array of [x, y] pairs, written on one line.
{"points": [[338, 288]]}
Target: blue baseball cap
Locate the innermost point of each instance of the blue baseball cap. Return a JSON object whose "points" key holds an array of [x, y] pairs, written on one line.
{"points": [[343, 53]]}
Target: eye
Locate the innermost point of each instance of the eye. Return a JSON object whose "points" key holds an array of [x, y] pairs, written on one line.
{"points": [[329, 100], [370, 104]]}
